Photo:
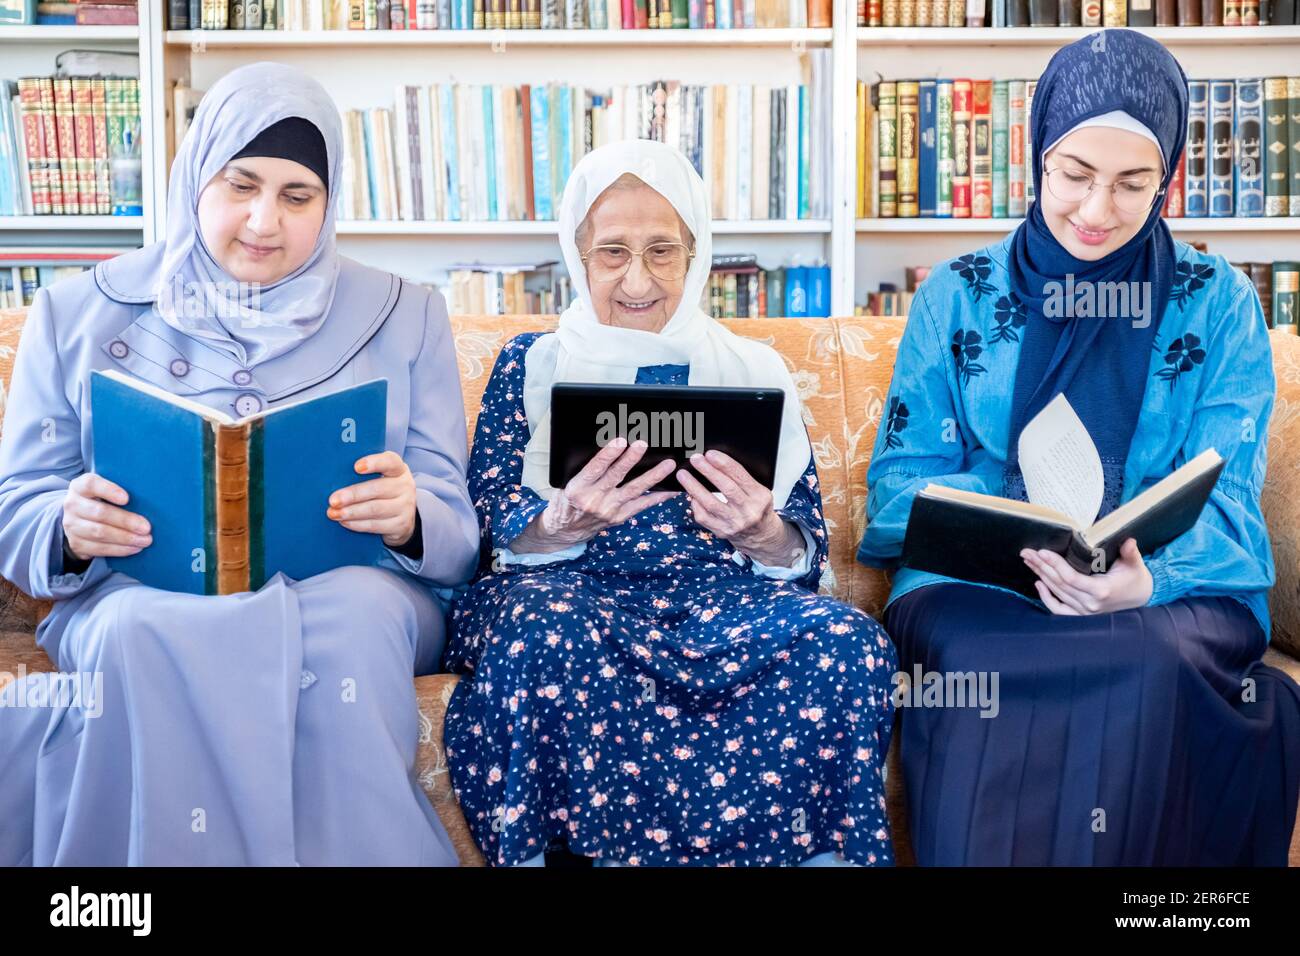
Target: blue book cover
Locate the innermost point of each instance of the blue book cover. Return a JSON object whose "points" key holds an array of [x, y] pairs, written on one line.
{"points": [[563, 159], [368, 135], [796, 292], [1247, 137], [450, 149], [803, 152], [10, 185], [1196, 184], [490, 153], [1222, 97], [819, 290], [722, 16], [927, 191], [541, 153], [278, 468]]}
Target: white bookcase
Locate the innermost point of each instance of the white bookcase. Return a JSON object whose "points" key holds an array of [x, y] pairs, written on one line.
{"points": [[361, 70]]}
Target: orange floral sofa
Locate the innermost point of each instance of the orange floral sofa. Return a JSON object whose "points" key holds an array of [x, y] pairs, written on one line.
{"points": [[842, 368]]}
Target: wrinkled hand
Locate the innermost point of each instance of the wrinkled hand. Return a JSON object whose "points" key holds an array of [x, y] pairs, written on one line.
{"points": [[383, 506], [747, 517], [96, 525], [594, 499], [1064, 590]]}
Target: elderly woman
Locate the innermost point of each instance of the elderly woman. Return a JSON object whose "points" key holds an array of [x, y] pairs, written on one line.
{"points": [[654, 680], [1137, 723], [269, 727]]}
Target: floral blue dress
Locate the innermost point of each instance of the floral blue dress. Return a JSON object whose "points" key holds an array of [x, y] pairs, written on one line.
{"points": [[659, 699]]}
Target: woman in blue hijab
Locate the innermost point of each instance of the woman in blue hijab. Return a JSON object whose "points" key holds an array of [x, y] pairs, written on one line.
{"points": [[273, 727], [1135, 722]]}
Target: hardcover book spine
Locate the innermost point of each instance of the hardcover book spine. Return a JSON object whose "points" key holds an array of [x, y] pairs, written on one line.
{"points": [[887, 97], [1174, 198], [961, 149], [1286, 295], [1196, 187], [1030, 86], [1016, 148], [943, 130], [1221, 192], [981, 156], [927, 192], [908, 147], [1293, 134], [232, 523], [1276, 169], [1247, 139], [1001, 108]]}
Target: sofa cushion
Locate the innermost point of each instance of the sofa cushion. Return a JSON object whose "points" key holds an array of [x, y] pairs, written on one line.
{"points": [[1281, 497]]}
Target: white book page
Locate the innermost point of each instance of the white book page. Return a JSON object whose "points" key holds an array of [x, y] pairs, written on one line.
{"points": [[1060, 463]]}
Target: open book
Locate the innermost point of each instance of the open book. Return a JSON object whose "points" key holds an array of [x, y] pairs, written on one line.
{"points": [[232, 501], [978, 537]]}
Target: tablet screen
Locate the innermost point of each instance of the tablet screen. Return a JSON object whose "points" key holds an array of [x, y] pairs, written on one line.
{"points": [[676, 421]]}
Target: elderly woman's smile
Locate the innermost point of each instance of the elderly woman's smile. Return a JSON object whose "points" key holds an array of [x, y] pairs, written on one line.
{"points": [[628, 288]]}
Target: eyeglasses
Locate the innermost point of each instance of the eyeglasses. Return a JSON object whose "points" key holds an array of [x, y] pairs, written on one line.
{"points": [[1129, 195], [663, 260]]}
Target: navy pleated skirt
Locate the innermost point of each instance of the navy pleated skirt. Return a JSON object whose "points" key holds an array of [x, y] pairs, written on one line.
{"points": [[1149, 737]]}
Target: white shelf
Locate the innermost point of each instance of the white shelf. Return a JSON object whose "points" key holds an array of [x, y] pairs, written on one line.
{"points": [[1056, 36], [388, 227], [64, 34], [199, 40], [947, 225], [72, 223]]}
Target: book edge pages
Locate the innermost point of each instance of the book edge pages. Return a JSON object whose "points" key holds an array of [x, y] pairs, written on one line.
{"points": [[1162, 489], [180, 401], [994, 503]]}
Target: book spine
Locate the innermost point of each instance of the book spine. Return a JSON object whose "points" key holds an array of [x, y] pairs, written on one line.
{"points": [[1221, 192], [887, 111], [99, 126], [1174, 198], [1189, 13], [927, 178], [1030, 87], [961, 149], [33, 133], [1276, 169], [1293, 134], [232, 524], [1286, 295], [1001, 110], [50, 129], [1261, 274], [943, 149], [1016, 148], [1197, 185], [1114, 13], [908, 149], [1248, 134], [1141, 13], [981, 139]]}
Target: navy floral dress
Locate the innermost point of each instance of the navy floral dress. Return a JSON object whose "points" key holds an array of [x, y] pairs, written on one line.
{"points": [[656, 699]]}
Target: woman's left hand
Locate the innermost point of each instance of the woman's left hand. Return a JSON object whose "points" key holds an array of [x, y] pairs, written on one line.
{"points": [[747, 517], [1065, 591], [384, 506]]}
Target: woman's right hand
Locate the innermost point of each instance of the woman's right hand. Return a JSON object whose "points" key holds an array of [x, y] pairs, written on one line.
{"points": [[96, 525], [595, 500]]}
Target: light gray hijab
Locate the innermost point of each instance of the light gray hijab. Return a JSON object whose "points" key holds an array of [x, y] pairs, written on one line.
{"points": [[194, 294]]}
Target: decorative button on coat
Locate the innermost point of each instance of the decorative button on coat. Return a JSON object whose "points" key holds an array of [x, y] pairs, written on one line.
{"points": [[179, 367], [242, 377], [118, 349], [248, 404]]}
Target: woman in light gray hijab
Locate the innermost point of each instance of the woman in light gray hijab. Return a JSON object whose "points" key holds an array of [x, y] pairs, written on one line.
{"points": [[269, 727]]}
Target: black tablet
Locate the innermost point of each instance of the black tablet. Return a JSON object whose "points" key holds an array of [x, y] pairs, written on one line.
{"points": [[676, 421]]}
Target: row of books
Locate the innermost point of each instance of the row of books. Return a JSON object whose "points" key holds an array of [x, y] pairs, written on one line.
{"points": [[888, 299], [961, 148], [1278, 287], [468, 152], [18, 284], [1075, 13], [59, 136], [497, 14], [69, 13]]}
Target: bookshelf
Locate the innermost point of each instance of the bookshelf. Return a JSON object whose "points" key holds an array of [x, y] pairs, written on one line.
{"points": [[360, 69]]}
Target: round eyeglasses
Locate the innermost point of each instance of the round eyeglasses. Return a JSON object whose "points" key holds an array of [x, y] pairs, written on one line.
{"points": [[1132, 195], [663, 260]]}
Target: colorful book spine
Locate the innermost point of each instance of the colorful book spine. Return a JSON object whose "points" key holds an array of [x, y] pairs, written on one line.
{"points": [[1286, 295], [927, 162], [908, 149], [981, 141], [961, 149], [1030, 86], [1293, 134], [1276, 147], [1001, 111], [887, 113], [943, 149], [1176, 193], [1016, 148], [1248, 135], [1222, 96], [1197, 186]]}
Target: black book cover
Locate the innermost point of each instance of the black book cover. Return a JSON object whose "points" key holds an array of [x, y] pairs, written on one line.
{"points": [[972, 543], [1043, 13]]}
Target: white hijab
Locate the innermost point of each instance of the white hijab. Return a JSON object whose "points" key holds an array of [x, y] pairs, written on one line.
{"points": [[584, 350]]}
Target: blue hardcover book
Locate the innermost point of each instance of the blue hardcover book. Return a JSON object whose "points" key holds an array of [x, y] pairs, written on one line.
{"points": [[450, 149], [368, 135], [927, 183], [237, 500], [1247, 137], [562, 161], [1196, 185], [1222, 97], [11, 195], [803, 153], [541, 152], [722, 16], [490, 153], [796, 292], [819, 290]]}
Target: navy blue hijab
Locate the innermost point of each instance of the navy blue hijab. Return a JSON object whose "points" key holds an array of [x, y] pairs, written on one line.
{"points": [[1099, 363]]}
